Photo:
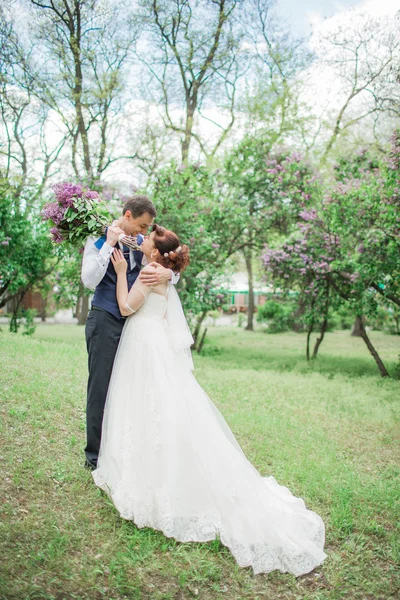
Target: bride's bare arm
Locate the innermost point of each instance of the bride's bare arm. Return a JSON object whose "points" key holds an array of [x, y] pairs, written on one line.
{"points": [[128, 302]]}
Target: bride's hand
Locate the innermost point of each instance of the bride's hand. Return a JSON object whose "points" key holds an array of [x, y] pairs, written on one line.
{"points": [[119, 262]]}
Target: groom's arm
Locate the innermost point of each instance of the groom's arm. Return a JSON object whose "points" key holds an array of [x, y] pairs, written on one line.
{"points": [[95, 261], [158, 275]]}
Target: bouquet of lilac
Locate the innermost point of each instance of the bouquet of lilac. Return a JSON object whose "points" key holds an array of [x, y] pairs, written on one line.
{"points": [[78, 213]]}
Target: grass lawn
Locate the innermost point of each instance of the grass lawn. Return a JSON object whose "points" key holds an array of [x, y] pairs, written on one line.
{"points": [[328, 431]]}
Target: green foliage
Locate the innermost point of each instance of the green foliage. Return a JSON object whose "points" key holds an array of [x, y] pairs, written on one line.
{"points": [[66, 280], [385, 318], [345, 252], [269, 188], [29, 321], [277, 315], [25, 248], [76, 214], [190, 200], [396, 373], [340, 319], [25, 317]]}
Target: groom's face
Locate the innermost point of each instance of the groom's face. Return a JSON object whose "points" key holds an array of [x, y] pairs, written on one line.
{"points": [[135, 225]]}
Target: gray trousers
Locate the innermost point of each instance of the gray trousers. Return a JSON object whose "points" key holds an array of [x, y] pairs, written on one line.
{"points": [[103, 332]]}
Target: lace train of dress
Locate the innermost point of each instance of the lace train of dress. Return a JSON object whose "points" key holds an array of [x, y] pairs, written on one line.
{"points": [[169, 461]]}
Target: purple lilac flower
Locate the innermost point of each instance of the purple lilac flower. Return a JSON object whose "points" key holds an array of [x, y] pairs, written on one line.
{"points": [[57, 236], [4, 243], [215, 245], [92, 195], [308, 215], [65, 192], [54, 211], [107, 193]]}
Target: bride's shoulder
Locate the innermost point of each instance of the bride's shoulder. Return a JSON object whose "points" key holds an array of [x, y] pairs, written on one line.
{"points": [[148, 269], [159, 288]]}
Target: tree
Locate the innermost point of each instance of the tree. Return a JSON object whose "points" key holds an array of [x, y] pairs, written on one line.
{"points": [[85, 46], [28, 158], [346, 249], [191, 201], [361, 58], [77, 69], [193, 64], [25, 250], [272, 102], [268, 189], [25, 168]]}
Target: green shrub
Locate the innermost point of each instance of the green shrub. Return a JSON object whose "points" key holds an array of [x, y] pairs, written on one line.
{"points": [[386, 319], [25, 317], [29, 325], [277, 315]]}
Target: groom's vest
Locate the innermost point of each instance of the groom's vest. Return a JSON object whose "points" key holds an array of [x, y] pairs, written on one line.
{"points": [[105, 294]]}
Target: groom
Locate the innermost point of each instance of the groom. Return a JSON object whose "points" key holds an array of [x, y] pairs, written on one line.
{"points": [[105, 323]]}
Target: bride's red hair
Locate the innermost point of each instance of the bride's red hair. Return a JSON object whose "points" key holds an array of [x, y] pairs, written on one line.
{"points": [[167, 243]]}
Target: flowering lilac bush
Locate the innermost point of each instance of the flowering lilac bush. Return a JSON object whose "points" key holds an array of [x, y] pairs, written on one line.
{"points": [[346, 250], [269, 187]]}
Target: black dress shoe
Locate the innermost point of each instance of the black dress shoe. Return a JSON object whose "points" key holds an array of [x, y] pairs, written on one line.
{"points": [[89, 465]]}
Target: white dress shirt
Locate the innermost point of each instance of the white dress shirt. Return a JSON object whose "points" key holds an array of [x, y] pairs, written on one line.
{"points": [[95, 263]]}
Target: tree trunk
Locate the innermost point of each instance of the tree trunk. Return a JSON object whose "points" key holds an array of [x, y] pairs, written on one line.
{"points": [[77, 307], [250, 308], [203, 337], [321, 337], [196, 332], [185, 144], [310, 330], [299, 312], [43, 307], [357, 326], [381, 366], [83, 310], [14, 319], [325, 321]]}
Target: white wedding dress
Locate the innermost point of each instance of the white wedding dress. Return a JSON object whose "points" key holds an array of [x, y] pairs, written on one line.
{"points": [[169, 461]]}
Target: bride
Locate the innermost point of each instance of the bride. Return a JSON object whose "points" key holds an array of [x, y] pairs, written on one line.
{"points": [[168, 459]]}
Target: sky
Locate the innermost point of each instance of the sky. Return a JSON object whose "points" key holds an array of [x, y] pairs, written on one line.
{"points": [[305, 15]]}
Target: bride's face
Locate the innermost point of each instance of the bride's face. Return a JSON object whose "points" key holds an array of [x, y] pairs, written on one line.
{"points": [[148, 247]]}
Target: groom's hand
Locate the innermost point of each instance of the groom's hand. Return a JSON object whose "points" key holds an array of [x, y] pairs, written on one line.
{"points": [[113, 233], [158, 274]]}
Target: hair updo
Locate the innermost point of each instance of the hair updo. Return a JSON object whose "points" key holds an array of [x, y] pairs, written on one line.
{"points": [[173, 255]]}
